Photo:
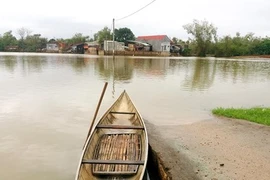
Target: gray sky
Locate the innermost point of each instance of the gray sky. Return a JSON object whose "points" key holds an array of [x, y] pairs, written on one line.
{"points": [[62, 19]]}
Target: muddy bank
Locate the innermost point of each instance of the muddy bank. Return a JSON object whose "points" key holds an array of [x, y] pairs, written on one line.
{"points": [[213, 149], [255, 56], [174, 163]]}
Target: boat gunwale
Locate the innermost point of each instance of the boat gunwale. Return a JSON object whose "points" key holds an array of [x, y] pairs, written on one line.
{"points": [[95, 127]]}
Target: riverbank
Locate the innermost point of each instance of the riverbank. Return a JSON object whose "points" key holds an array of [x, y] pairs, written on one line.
{"points": [[217, 148], [251, 56]]}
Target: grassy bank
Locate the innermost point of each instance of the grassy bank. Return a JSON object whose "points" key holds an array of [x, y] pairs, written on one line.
{"points": [[259, 115]]}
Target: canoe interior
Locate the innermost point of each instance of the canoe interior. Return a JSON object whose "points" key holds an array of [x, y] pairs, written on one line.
{"points": [[120, 147], [119, 141]]}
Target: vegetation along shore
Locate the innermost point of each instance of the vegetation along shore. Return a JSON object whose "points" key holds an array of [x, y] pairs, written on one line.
{"points": [[257, 114]]}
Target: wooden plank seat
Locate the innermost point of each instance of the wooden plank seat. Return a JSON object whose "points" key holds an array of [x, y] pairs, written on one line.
{"points": [[115, 112], [112, 126], [117, 154]]}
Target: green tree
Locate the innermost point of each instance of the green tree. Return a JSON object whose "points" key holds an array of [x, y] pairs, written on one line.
{"points": [[238, 45], [123, 34], [224, 47], [104, 34], [1, 44], [78, 38], [34, 43], [7, 40], [263, 47], [204, 34]]}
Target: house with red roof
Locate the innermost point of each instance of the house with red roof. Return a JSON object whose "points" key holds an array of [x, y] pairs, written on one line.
{"points": [[160, 43]]}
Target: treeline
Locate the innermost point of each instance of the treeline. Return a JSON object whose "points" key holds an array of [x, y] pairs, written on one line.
{"points": [[206, 42], [228, 46], [238, 45], [36, 43], [32, 43]]}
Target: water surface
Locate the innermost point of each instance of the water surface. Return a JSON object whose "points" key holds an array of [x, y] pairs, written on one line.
{"points": [[47, 101]]}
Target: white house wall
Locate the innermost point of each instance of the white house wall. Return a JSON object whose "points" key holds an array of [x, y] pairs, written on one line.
{"points": [[165, 46], [52, 47], [108, 46]]}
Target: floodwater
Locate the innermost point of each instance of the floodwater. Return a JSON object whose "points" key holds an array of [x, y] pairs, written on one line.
{"points": [[47, 101]]}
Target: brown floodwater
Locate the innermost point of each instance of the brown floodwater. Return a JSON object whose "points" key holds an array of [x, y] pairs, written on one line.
{"points": [[47, 101]]}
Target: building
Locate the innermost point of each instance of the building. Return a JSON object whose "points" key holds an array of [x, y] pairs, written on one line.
{"points": [[137, 46], [159, 42], [78, 48], [93, 47], [118, 46], [12, 48], [52, 46]]}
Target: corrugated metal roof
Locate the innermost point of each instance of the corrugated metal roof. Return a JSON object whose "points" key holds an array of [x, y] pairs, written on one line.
{"points": [[138, 42], [155, 37]]}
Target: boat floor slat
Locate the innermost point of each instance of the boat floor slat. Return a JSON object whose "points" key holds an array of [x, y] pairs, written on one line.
{"points": [[117, 154], [95, 161]]}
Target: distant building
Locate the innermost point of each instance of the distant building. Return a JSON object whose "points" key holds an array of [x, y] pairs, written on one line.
{"points": [[137, 46], [52, 46], [159, 42], [12, 48], [93, 47], [118, 46], [78, 48], [92, 44]]}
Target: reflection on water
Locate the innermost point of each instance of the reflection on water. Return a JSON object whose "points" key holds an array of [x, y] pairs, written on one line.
{"points": [[199, 73], [79, 64], [202, 75], [47, 101], [10, 62], [243, 70], [119, 69], [33, 64]]}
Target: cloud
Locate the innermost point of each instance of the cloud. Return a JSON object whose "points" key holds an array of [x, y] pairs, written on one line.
{"points": [[63, 19]]}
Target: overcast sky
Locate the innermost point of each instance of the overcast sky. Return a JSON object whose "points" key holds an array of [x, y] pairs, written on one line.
{"points": [[62, 19]]}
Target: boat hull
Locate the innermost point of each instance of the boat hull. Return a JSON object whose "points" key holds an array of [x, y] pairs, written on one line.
{"points": [[117, 148]]}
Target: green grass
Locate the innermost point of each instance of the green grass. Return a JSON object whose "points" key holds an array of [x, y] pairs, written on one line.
{"points": [[258, 114]]}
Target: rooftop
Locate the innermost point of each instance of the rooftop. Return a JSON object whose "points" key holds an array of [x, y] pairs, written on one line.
{"points": [[155, 37]]}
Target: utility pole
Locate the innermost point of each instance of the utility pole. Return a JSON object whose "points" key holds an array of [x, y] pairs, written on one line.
{"points": [[113, 36]]}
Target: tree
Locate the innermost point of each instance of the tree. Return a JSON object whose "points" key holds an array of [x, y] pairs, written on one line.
{"points": [[238, 45], [78, 38], [262, 47], [175, 40], [225, 47], [124, 34], [1, 44], [204, 34], [7, 40], [23, 32], [104, 34], [34, 43]]}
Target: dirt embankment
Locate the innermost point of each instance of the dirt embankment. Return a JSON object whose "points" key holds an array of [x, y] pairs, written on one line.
{"points": [[254, 56], [213, 149]]}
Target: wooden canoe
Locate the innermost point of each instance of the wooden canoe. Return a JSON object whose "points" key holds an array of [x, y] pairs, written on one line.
{"points": [[117, 147]]}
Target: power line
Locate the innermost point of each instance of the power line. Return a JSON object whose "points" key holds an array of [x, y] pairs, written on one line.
{"points": [[135, 11]]}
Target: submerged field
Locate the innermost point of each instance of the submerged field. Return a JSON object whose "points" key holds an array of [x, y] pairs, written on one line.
{"points": [[258, 114]]}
